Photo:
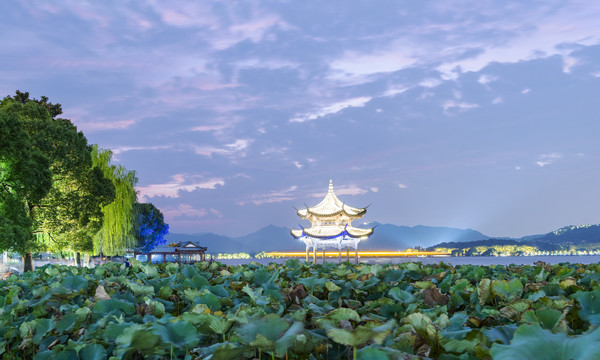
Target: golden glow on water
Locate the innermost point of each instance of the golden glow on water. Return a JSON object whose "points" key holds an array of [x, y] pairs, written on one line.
{"points": [[363, 253]]}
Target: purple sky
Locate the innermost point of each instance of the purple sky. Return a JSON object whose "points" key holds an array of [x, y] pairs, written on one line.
{"points": [[476, 114]]}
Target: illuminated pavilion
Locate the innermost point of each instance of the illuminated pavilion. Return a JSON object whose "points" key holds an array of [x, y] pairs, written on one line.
{"points": [[331, 221]]}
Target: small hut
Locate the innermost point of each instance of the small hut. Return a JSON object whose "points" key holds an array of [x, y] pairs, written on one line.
{"points": [[182, 253]]}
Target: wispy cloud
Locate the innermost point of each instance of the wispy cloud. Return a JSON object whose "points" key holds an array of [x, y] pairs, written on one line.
{"points": [[206, 128], [452, 105], [402, 186], [183, 210], [485, 79], [430, 82], [180, 182], [332, 109], [355, 67], [239, 146], [121, 149], [345, 190], [547, 159], [272, 197]]}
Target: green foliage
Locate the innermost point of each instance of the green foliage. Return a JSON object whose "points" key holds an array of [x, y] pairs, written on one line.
{"points": [[117, 232], [533, 342], [299, 310], [49, 187]]}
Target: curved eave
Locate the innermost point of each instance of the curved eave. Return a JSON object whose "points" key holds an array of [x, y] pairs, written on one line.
{"points": [[359, 214], [300, 233]]}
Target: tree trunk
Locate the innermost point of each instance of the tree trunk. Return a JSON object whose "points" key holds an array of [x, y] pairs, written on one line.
{"points": [[78, 259], [27, 262]]}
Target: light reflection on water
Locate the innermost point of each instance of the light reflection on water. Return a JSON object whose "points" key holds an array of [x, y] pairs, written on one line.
{"points": [[462, 260]]}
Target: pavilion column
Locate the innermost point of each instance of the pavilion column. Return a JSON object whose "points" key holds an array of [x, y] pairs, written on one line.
{"points": [[314, 254], [356, 253], [348, 253], [340, 254], [307, 252], [323, 254], [165, 257]]}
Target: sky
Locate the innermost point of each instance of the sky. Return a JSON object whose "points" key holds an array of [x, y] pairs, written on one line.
{"points": [[467, 114]]}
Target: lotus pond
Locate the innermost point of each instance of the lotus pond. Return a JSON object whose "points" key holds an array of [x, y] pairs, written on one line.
{"points": [[299, 310]]}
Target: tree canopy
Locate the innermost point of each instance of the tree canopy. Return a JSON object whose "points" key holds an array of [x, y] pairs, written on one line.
{"points": [[51, 193], [150, 227]]}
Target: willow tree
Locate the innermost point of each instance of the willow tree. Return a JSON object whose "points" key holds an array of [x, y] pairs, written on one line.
{"points": [[116, 235]]}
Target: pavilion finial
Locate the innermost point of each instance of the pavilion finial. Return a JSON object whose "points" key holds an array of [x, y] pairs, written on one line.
{"points": [[330, 186]]}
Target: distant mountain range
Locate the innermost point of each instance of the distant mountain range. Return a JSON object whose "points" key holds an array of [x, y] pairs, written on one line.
{"points": [[584, 237], [385, 237]]}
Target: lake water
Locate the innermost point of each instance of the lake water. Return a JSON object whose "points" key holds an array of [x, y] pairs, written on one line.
{"points": [[462, 260]]}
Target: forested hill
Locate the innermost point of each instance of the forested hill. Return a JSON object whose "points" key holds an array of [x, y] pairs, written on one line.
{"points": [[584, 237]]}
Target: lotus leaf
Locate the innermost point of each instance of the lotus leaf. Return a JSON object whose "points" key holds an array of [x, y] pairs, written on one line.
{"points": [[75, 283], [547, 318], [533, 342], [181, 334], [401, 295], [589, 301], [484, 291], [92, 352], [139, 289], [506, 290], [104, 307]]}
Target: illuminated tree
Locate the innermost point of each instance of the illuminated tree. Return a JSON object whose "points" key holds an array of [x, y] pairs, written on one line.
{"points": [[150, 227], [116, 235], [47, 177]]}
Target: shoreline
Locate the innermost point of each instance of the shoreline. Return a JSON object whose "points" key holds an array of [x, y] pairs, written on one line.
{"points": [[453, 260]]}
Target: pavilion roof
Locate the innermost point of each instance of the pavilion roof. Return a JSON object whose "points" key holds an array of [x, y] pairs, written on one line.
{"points": [[331, 205], [179, 247]]}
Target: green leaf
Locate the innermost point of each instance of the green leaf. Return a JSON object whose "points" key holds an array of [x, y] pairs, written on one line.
{"points": [[507, 290], [181, 334], [383, 353], [422, 325], [218, 324], [533, 342], [270, 328], [223, 351], [158, 309], [165, 292], [589, 301], [343, 314], [361, 334], [210, 300], [92, 352], [75, 283], [52, 271], [139, 289], [137, 337], [400, 295], [547, 318], [150, 270], [41, 329], [461, 346], [103, 307], [332, 287], [283, 344], [354, 338]]}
